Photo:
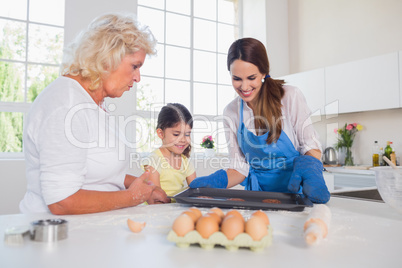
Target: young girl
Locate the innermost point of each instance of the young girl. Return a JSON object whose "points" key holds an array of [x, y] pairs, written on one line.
{"points": [[169, 165]]}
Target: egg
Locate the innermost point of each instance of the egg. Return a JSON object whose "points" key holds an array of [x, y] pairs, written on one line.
{"points": [[218, 211], [183, 224], [215, 216], [256, 228], [206, 226], [196, 211], [192, 215], [134, 226], [262, 215], [235, 213], [232, 226]]}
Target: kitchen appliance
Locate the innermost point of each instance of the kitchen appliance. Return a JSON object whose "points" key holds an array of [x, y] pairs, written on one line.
{"points": [[330, 156]]}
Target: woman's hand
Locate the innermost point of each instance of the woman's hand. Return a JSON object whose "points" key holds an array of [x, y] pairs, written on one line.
{"points": [[142, 189], [158, 196], [219, 179], [314, 153], [307, 173]]}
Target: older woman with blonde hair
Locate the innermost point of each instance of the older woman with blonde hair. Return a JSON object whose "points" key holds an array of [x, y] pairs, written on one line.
{"points": [[73, 155]]}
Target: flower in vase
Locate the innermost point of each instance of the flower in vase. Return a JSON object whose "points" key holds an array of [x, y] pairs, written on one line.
{"points": [[345, 140], [347, 134], [207, 142]]}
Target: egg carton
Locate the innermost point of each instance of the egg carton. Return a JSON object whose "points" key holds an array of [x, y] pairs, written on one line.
{"points": [[218, 238]]}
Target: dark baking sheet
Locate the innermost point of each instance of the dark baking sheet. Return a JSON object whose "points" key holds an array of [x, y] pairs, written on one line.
{"points": [[252, 199]]}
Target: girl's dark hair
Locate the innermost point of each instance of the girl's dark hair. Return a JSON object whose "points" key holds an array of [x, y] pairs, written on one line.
{"points": [[268, 112], [174, 113]]}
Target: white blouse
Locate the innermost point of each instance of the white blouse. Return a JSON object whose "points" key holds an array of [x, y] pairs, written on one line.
{"points": [[69, 145], [296, 123]]}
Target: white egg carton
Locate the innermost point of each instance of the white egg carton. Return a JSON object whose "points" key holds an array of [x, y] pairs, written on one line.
{"points": [[218, 238]]}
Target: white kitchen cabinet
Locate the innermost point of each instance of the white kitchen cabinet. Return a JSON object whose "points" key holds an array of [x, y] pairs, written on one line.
{"points": [[345, 178], [312, 84], [364, 85]]}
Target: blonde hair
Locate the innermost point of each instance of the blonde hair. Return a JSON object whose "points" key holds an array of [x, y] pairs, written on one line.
{"points": [[99, 49]]}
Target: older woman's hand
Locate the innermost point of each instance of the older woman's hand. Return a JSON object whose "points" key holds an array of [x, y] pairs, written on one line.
{"points": [[142, 189], [158, 196]]}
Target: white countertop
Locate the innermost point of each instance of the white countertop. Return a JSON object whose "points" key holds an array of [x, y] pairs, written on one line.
{"points": [[351, 170], [362, 234]]}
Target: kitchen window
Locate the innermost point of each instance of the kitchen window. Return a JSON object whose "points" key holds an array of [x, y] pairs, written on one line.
{"points": [[189, 68], [31, 49]]}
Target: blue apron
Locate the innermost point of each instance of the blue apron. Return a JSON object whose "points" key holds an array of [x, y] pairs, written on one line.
{"points": [[271, 165]]}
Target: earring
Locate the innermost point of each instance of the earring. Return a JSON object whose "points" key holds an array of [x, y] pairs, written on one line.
{"points": [[263, 80]]}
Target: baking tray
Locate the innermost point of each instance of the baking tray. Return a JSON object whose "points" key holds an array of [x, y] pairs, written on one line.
{"points": [[223, 198]]}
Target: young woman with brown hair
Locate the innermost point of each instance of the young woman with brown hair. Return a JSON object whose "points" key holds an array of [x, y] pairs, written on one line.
{"points": [[272, 143]]}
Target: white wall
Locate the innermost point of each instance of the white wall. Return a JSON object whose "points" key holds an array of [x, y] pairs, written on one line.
{"points": [[12, 185], [328, 32], [267, 21], [80, 13], [277, 36], [382, 126], [256, 27]]}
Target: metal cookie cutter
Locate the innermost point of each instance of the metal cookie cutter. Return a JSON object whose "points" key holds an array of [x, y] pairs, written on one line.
{"points": [[49, 230]]}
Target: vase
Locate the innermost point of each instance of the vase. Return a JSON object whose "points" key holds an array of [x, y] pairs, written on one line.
{"points": [[349, 157], [209, 152]]}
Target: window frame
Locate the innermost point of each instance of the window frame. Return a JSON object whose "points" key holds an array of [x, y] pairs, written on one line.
{"points": [[214, 119], [24, 106]]}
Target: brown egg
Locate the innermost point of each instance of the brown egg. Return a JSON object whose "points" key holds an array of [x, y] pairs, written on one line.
{"points": [[232, 226], [206, 226], [234, 212], [135, 226], [192, 215], [262, 215], [215, 216], [256, 228], [183, 224], [196, 211], [217, 211]]}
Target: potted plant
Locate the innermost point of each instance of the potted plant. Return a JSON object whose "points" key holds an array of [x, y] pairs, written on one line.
{"points": [[209, 145]]}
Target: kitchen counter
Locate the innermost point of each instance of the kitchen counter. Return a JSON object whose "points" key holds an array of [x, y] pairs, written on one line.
{"points": [[362, 234], [355, 170]]}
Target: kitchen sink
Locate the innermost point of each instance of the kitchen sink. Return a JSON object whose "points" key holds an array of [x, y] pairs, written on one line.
{"points": [[367, 194]]}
